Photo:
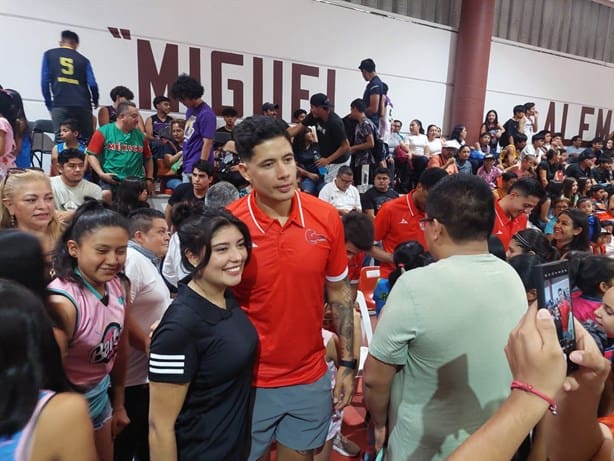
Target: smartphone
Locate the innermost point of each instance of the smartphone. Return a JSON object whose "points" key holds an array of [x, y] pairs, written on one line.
{"points": [[554, 294]]}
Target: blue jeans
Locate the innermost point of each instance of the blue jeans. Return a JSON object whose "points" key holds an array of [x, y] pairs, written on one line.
{"points": [[312, 187]]}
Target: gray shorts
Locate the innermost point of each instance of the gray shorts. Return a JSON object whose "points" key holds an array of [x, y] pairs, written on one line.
{"points": [[298, 416]]}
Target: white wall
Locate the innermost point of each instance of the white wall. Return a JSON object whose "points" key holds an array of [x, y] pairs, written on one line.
{"points": [[413, 58]]}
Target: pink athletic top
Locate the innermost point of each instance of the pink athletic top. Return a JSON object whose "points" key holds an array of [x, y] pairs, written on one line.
{"points": [[94, 343]]}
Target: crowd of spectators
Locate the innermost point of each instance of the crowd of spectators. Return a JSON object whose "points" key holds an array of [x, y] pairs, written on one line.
{"points": [[199, 332]]}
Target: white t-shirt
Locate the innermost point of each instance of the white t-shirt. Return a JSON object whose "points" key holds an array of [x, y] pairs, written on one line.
{"points": [[150, 298], [69, 198], [416, 143], [342, 200], [434, 146], [172, 269]]}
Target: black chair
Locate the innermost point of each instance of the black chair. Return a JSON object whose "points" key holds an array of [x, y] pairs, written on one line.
{"points": [[43, 135]]}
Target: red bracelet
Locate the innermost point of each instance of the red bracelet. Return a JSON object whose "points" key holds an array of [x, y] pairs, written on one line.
{"points": [[528, 388]]}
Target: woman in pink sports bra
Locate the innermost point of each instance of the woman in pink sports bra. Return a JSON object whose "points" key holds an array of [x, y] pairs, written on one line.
{"points": [[39, 421], [88, 297]]}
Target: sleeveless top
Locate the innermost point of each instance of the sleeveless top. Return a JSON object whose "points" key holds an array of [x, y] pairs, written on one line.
{"points": [[93, 346], [18, 447], [112, 113], [158, 125]]}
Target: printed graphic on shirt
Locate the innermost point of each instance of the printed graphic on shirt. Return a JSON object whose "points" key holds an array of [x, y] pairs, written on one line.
{"points": [[106, 350]]}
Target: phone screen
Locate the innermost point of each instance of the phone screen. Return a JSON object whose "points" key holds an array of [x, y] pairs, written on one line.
{"points": [[554, 294]]}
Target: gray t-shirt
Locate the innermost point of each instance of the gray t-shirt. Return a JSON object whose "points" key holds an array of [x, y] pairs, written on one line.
{"points": [[446, 326], [69, 198]]}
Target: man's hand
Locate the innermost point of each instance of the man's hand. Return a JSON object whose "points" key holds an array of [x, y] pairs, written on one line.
{"points": [[322, 162], [344, 387], [150, 187], [108, 178]]}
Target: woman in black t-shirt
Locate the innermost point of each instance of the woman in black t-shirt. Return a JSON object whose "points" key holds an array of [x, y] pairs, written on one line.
{"points": [[202, 353]]}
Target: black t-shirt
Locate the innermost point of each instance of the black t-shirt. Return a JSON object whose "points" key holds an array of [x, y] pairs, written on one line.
{"points": [[549, 168], [331, 135], [575, 171], [306, 158], [602, 176], [184, 193], [511, 129], [374, 199], [214, 350], [375, 86]]}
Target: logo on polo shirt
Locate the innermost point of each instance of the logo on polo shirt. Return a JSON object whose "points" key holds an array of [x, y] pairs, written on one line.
{"points": [[314, 238], [499, 232], [403, 221]]}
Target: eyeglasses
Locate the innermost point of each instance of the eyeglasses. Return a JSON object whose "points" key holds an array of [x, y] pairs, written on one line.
{"points": [[423, 222], [15, 171]]}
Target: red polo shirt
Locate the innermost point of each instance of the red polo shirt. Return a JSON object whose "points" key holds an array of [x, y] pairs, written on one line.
{"points": [[504, 227], [282, 289], [397, 221]]}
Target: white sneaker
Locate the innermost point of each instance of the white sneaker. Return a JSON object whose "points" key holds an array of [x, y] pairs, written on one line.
{"points": [[345, 447]]}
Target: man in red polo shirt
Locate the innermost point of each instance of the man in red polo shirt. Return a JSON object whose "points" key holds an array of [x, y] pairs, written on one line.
{"points": [[298, 252], [512, 210], [398, 220]]}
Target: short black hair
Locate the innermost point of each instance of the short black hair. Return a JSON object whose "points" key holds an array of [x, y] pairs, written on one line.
{"points": [[203, 166], [528, 105], [358, 104], [70, 153], [508, 175], [520, 137], [431, 176], [254, 130], [187, 87], [597, 139], [298, 112], [141, 219], [528, 187], [381, 170], [158, 99], [519, 108], [229, 112], [465, 205], [69, 36], [358, 229], [71, 123], [368, 65], [576, 137], [121, 91]]}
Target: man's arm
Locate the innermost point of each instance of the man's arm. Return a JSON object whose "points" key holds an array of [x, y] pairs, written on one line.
{"points": [[45, 83], [206, 150], [91, 83], [341, 305], [343, 148], [368, 144], [377, 382], [373, 108], [296, 129]]}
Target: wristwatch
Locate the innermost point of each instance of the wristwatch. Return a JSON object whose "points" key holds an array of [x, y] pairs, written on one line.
{"points": [[351, 364]]}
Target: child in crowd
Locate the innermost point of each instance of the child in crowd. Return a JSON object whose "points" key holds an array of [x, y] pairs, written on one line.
{"points": [[7, 137], [69, 134], [594, 227], [89, 297], [407, 256], [131, 195], [462, 160], [593, 275]]}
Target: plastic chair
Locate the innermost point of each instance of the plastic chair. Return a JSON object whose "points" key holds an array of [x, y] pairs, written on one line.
{"points": [[368, 279], [41, 143], [367, 329]]}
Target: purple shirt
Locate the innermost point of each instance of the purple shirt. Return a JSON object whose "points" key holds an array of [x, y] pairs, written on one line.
{"points": [[200, 123]]}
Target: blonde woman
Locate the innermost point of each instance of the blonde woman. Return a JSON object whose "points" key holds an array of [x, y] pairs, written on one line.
{"points": [[26, 203]]}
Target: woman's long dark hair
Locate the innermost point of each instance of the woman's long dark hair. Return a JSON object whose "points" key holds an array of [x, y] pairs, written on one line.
{"points": [[495, 123], [579, 242], [90, 216], [29, 356], [407, 256], [127, 197]]}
